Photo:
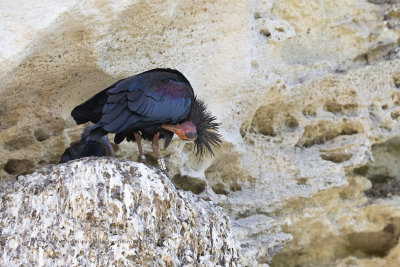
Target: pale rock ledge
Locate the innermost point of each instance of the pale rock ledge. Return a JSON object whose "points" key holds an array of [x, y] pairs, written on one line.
{"points": [[108, 212]]}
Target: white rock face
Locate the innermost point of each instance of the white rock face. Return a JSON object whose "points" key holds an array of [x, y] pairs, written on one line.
{"points": [[304, 91], [105, 212]]}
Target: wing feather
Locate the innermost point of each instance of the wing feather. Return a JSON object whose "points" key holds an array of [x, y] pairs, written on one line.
{"points": [[115, 125], [113, 113], [115, 98], [144, 101]]}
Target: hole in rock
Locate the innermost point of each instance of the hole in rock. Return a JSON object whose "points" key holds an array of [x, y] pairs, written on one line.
{"points": [[291, 121], [376, 244], [302, 181], [324, 130], [226, 174], [396, 79], [384, 171], [188, 183], [315, 245], [395, 114], [263, 121], [265, 32], [396, 98], [19, 166], [220, 189], [268, 120], [343, 109], [41, 135], [336, 157], [257, 15], [341, 71], [361, 59]]}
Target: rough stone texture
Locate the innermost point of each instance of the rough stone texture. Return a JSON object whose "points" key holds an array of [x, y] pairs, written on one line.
{"points": [[303, 89], [106, 212]]}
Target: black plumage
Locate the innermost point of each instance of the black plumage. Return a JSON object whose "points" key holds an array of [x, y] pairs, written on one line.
{"points": [[156, 103], [83, 148], [206, 128]]}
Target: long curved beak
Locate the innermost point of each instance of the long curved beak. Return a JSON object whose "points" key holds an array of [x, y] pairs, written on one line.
{"points": [[169, 127], [104, 140]]}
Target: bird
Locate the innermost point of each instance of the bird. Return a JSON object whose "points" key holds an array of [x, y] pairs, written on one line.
{"points": [[152, 105], [83, 148]]}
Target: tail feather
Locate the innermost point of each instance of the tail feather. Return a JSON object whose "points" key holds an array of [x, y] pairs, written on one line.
{"points": [[91, 109]]}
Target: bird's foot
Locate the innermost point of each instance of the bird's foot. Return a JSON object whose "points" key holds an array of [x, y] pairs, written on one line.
{"points": [[162, 166], [143, 159]]}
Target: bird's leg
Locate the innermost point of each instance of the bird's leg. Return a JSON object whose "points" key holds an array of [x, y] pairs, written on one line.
{"points": [[160, 160], [138, 139]]}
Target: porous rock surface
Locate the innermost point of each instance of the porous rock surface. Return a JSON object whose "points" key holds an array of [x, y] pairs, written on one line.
{"points": [[307, 93], [106, 212]]}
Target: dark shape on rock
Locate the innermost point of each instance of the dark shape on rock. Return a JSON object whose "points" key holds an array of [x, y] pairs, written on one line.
{"points": [[152, 105], [98, 148]]}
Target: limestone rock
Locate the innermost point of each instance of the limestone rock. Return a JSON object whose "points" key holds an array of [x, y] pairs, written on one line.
{"points": [[304, 90], [109, 212]]}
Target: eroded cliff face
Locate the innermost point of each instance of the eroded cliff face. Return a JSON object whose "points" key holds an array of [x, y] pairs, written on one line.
{"points": [[307, 93]]}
